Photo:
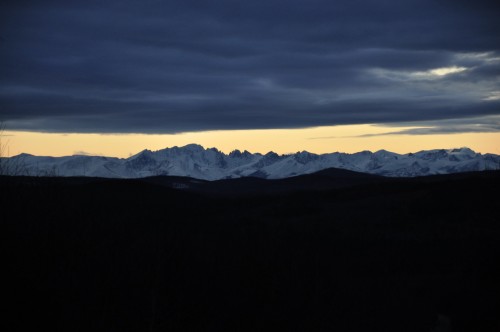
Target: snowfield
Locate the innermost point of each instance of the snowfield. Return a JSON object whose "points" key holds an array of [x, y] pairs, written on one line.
{"points": [[211, 164]]}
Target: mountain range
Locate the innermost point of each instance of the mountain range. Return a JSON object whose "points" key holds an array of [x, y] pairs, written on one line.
{"points": [[211, 164]]}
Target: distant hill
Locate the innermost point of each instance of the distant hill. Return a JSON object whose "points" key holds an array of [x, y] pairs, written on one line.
{"points": [[327, 179]]}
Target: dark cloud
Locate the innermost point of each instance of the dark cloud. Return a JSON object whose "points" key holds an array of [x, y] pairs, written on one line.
{"points": [[173, 66]]}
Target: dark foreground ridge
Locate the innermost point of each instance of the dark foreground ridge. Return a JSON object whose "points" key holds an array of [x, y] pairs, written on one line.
{"points": [[324, 252]]}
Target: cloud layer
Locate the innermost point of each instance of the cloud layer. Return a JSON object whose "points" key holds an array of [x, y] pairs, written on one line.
{"points": [[174, 66]]}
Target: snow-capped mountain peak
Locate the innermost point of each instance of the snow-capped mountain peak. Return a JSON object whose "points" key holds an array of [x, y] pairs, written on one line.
{"points": [[195, 161]]}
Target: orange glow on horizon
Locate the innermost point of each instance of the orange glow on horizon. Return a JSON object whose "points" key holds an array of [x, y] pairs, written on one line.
{"points": [[283, 141]]}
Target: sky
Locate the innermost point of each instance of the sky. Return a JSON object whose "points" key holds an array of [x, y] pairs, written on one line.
{"points": [[115, 77]]}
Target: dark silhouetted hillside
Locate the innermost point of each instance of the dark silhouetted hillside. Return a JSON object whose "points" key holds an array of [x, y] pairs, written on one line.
{"points": [[373, 254]]}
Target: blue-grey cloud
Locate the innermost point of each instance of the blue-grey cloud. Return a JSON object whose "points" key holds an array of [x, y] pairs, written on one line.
{"points": [[172, 66], [489, 124]]}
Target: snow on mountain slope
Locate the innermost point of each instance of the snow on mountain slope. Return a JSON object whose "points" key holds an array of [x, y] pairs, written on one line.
{"points": [[211, 164]]}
